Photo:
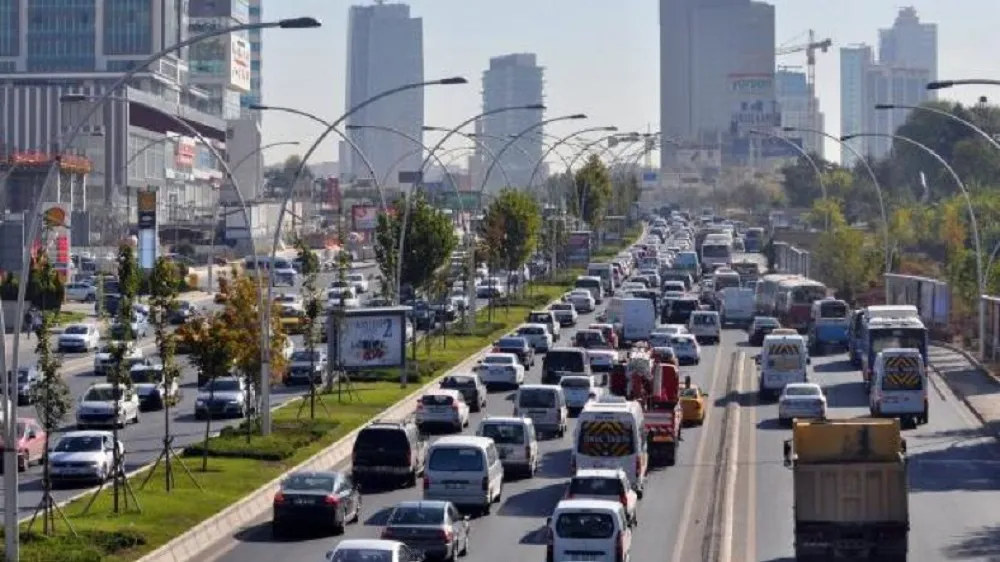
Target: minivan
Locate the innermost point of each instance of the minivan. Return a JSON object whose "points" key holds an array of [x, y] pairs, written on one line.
{"points": [[543, 404], [592, 284], [599, 528], [561, 361], [464, 470], [516, 443]]}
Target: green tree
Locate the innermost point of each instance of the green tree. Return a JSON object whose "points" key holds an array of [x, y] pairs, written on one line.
{"points": [[128, 280], [591, 192], [430, 240], [209, 340], [307, 257], [312, 312], [511, 227], [53, 402], [46, 290], [164, 286], [840, 257]]}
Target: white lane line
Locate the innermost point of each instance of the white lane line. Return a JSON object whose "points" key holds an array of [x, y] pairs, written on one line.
{"points": [[751, 464], [732, 459], [689, 499]]}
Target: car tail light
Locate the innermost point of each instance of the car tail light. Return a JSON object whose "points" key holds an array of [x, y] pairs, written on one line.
{"points": [[279, 498], [638, 466], [623, 499], [486, 483], [331, 500], [445, 535], [387, 533], [620, 547]]}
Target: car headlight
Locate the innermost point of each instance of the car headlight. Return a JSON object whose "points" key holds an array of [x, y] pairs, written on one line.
{"points": [[199, 402]]}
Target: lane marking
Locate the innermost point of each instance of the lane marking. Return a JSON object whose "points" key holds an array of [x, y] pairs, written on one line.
{"points": [[697, 475], [751, 464], [732, 460]]}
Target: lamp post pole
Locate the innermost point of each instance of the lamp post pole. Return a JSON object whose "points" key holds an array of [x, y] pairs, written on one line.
{"points": [[972, 219], [945, 84], [579, 193], [475, 139], [804, 154]]}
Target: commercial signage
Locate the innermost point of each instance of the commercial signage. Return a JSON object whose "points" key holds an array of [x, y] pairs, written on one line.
{"points": [[373, 338], [650, 179], [578, 249], [56, 236], [239, 63], [146, 205], [364, 217], [754, 103], [184, 152]]}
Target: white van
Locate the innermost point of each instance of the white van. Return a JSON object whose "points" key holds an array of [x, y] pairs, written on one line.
{"points": [[592, 284], [578, 391], [589, 529], [610, 434], [543, 404], [515, 440], [465, 471], [633, 318], [738, 307], [784, 359], [705, 325], [606, 272], [899, 386]]}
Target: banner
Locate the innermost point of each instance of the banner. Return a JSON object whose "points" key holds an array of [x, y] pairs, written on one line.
{"points": [[578, 249], [364, 217], [754, 103]]}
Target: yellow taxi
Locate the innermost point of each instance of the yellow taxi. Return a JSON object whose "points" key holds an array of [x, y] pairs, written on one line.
{"points": [[292, 318], [693, 405]]}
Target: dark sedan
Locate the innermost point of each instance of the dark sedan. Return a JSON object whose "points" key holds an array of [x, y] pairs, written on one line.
{"points": [[518, 346], [326, 499], [472, 389], [435, 528], [760, 328]]}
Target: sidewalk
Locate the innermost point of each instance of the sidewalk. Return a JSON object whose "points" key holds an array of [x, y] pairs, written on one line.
{"points": [[971, 383]]}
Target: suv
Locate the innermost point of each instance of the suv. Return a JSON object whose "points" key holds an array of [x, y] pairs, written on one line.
{"points": [[386, 450]]}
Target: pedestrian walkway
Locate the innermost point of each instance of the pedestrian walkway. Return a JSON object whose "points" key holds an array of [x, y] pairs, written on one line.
{"points": [[973, 384]]}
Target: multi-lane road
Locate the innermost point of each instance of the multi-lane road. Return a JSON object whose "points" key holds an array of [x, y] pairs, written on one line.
{"points": [[953, 482]]}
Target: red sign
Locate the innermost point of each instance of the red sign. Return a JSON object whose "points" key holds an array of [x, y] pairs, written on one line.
{"points": [[185, 152]]}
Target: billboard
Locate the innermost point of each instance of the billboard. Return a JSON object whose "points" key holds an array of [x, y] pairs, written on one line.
{"points": [[185, 152], [364, 218], [56, 236], [754, 104], [370, 338], [650, 179], [578, 248], [332, 188], [239, 62]]}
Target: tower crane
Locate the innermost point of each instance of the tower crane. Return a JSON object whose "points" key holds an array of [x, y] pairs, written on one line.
{"points": [[810, 48]]}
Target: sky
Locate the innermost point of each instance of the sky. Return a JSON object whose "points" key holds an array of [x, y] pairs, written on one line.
{"points": [[601, 57]]}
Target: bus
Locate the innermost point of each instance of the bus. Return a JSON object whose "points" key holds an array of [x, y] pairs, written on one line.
{"points": [[766, 292], [716, 252], [891, 333], [753, 240], [795, 300]]}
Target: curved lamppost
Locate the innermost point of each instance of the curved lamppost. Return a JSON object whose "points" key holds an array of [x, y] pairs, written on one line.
{"points": [[420, 150], [972, 217], [576, 158], [474, 139], [561, 141], [805, 154], [944, 84], [871, 174], [513, 140]]}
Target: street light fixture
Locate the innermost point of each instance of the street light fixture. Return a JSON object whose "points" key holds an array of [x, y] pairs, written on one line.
{"points": [[561, 141], [945, 84], [475, 139]]}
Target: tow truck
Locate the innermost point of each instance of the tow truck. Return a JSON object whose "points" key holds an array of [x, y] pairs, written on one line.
{"points": [[655, 385]]}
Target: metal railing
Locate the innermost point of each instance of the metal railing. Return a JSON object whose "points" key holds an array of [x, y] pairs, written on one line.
{"points": [[931, 297], [789, 259]]}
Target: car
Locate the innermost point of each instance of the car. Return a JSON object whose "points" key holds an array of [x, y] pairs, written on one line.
{"points": [[30, 443], [81, 338], [81, 292], [498, 370], [605, 484], [459, 299], [672, 329], [444, 309], [686, 348], [225, 397], [692, 400], [372, 550], [423, 315], [581, 299], [579, 390], [660, 338], [801, 400], [153, 390], [388, 450], [489, 288], [666, 354], [304, 363], [358, 281], [292, 318], [588, 525], [537, 335], [590, 339], [761, 327], [602, 360], [28, 377], [181, 313], [325, 499], [139, 327], [565, 313], [609, 333], [287, 348], [84, 456], [442, 407], [433, 527], [105, 405], [516, 442], [472, 388], [519, 346], [104, 359], [345, 297], [288, 298]]}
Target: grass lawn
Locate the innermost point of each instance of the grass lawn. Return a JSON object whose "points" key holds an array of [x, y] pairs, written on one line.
{"points": [[66, 317]]}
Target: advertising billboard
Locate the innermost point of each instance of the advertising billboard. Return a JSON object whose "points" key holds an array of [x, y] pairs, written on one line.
{"points": [[578, 245], [371, 338], [185, 152], [239, 62], [754, 103], [56, 224], [364, 218]]}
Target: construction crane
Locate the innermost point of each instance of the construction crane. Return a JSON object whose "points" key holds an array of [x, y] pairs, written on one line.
{"points": [[810, 48]]}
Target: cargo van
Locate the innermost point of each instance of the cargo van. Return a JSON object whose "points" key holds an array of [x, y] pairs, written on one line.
{"points": [[465, 471], [899, 386], [609, 434], [634, 318], [784, 359]]}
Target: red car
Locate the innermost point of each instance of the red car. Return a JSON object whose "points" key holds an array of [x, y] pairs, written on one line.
{"points": [[30, 443], [609, 333]]}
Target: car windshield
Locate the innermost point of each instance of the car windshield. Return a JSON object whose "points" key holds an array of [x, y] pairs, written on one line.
{"points": [[833, 309], [79, 444], [802, 391], [585, 525], [536, 398], [456, 459], [566, 307], [417, 515], [765, 322], [309, 483], [704, 319], [531, 331], [574, 382], [374, 438], [102, 394], [140, 376], [458, 382], [362, 555], [540, 318], [305, 356], [498, 360], [75, 329], [596, 487], [223, 385], [511, 343], [690, 393], [504, 433]]}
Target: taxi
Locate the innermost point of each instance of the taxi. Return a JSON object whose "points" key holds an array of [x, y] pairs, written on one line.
{"points": [[293, 318], [693, 405]]}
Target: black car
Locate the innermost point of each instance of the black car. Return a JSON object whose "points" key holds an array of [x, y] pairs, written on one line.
{"points": [[325, 499], [435, 528], [760, 328], [182, 313], [518, 346], [27, 378], [678, 311], [424, 317], [591, 339], [445, 310], [385, 451]]}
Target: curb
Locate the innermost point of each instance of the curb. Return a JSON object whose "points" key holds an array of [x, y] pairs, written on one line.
{"points": [[961, 395]]}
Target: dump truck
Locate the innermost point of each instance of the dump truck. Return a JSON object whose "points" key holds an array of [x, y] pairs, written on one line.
{"points": [[850, 490]]}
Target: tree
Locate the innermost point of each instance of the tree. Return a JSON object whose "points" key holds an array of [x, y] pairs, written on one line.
{"points": [[53, 402], [312, 312], [164, 286], [208, 338], [840, 257], [128, 281], [591, 192], [307, 257], [46, 290], [430, 240], [511, 227]]}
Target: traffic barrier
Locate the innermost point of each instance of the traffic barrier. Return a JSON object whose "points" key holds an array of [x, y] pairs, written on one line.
{"points": [[792, 260], [931, 297]]}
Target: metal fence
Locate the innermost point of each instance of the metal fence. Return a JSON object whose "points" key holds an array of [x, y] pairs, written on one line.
{"points": [[931, 297], [991, 331], [789, 259]]}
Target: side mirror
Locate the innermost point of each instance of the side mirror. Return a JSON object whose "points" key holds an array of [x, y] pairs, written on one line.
{"points": [[787, 453]]}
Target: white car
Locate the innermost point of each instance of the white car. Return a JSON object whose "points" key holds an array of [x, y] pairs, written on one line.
{"points": [[801, 400], [538, 336], [686, 349], [602, 360], [659, 338], [153, 391], [358, 281], [83, 456], [442, 406], [287, 348], [579, 390], [459, 299], [380, 550], [565, 313], [582, 300], [500, 370], [97, 406], [288, 298], [81, 292], [672, 329], [605, 484], [632, 286], [342, 296], [79, 337], [104, 360]]}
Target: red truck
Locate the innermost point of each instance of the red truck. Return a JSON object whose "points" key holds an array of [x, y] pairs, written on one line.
{"points": [[658, 391]]}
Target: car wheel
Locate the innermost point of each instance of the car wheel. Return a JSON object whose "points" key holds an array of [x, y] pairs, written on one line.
{"points": [[356, 517]]}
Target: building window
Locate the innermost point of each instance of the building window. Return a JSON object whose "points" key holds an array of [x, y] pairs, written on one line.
{"points": [[10, 28], [8, 67], [60, 36], [128, 27]]}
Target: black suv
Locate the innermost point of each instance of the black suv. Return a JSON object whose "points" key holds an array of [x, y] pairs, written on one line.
{"points": [[385, 451]]}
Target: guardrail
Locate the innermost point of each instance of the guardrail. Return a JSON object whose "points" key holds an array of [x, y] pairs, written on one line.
{"points": [[789, 259]]}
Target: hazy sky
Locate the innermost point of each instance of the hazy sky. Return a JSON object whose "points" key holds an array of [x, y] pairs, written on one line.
{"points": [[601, 57]]}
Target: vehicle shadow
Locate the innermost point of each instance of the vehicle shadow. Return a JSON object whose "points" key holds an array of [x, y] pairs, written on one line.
{"points": [[839, 366], [982, 544], [535, 537], [536, 502], [555, 464], [743, 399], [770, 424], [955, 460], [380, 518], [257, 533], [847, 395]]}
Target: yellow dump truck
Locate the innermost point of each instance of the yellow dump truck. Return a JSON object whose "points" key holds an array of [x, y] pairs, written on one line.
{"points": [[850, 493]]}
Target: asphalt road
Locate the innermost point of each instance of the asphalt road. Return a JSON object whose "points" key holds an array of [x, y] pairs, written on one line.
{"points": [[515, 530]]}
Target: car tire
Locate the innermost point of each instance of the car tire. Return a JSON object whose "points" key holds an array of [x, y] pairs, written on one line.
{"points": [[356, 517]]}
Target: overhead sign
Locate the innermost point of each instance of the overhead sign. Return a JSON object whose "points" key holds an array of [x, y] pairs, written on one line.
{"points": [[370, 338]]}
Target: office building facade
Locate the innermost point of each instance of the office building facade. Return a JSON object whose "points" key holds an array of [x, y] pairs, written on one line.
{"points": [[384, 51], [855, 60], [800, 109], [511, 80], [910, 43], [256, 59]]}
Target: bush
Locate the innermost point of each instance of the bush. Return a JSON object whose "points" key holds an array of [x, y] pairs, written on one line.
{"points": [[89, 546], [286, 438]]}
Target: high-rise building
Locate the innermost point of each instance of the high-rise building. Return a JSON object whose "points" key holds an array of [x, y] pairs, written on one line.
{"points": [[385, 50], [511, 80], [49, 49], [800, 109], [220, 66], [256, 60], [855, 60], [909, 43], [716, 71]]}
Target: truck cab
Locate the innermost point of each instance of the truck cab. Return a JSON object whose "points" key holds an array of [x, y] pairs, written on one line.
{"points": [[899, 386], [784, 359]]}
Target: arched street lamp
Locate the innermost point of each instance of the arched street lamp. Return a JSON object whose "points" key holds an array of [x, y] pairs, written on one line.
{"points": [[561, 141], [513, 140], [805, 154], [944, 84], [474, 139]]}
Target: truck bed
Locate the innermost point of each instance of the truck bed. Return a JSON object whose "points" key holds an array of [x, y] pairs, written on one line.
{"points": [[855, 493]]}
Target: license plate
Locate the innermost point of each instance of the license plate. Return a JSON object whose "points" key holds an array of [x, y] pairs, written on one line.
{"points": [[661, 438], [454, 486], [303, 501]]}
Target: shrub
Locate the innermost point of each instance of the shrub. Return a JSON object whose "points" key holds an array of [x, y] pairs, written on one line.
{"points": [[286, 438], [88, 546]]}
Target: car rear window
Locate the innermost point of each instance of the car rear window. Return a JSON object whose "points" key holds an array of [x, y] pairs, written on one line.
{"points": [[569, 361], [574, 383], [437, 400], [536, 398], [504, 433], [587, 525], [456, 459], [596, 487], [379, 438]]}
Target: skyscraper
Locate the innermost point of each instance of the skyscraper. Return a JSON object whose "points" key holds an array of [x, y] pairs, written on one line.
{"points": [[855, 60], [716, 70], [909, 43], [256, 61], [385, 50], [221, 65], [511, 80], [799, 108]]}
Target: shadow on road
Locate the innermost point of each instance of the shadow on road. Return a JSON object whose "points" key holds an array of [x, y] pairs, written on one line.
{"points": [[537, 502], [380, 518], [847, 395], [555, 464], [258, 533], [536, 537], [840, 366], [959, 460], [770, 425], [983, 544]]}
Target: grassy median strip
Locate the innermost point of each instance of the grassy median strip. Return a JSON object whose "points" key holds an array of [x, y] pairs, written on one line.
{"points": [[236, 468]]}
